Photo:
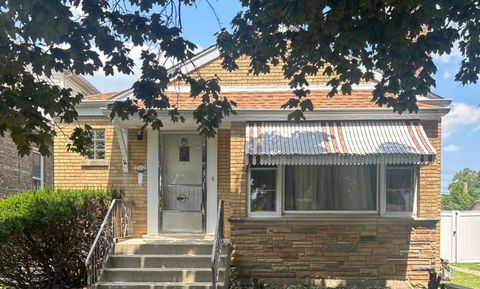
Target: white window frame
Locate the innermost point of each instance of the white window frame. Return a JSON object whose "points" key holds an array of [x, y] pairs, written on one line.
{"points": [[414, 170], [333, 212], [381, 195], [94, 145], [42, 166], [278, 193]]}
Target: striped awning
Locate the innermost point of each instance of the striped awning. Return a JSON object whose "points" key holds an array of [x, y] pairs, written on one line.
{"points": [[338, 142]]}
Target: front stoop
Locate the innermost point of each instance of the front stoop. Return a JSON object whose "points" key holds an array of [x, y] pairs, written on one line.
{"points": [[162, 264]]}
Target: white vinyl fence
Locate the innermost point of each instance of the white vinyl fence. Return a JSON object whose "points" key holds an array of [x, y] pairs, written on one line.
{"points": [[460, 236]]}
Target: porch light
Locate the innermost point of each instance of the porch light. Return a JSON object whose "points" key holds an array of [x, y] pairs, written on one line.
{"points": [[139, 134]]}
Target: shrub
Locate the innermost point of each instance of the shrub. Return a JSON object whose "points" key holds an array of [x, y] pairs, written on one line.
{"points": [[45, 236]]}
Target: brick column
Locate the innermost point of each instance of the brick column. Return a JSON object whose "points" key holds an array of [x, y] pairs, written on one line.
{"points": [[429, 197], [224, 173], [429, 187], [238, 176]]}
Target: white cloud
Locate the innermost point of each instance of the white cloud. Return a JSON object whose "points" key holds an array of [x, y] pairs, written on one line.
{"points": [[446, 58], [446, 75], [120, 81], [77, 11], [461, 115], [451, 148]]}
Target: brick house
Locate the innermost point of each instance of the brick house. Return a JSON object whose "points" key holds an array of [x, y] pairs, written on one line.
{"points": [[22, 173], [352, 193]]}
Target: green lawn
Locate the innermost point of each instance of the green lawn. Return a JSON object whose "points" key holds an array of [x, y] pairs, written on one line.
{"points": [[471, 266], [467, 280]]}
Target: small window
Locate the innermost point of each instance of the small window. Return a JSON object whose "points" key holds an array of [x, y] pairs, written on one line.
{"points": [[97, 151], [263, 190], [37, 169], [400, 189]]}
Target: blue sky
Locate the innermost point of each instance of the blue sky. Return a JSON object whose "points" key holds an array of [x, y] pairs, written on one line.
{"points": [[461, 127]]}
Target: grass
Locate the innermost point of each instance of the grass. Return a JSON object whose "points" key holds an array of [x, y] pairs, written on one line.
{"points": [[471, 266], [467, 280]]}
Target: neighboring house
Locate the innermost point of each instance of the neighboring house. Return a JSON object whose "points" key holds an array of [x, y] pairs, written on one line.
{"points": [[352, 193], [22, 173], [475, 206]]}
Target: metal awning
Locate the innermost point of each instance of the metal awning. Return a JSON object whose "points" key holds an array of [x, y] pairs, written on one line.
{"points": [[338, 142]]}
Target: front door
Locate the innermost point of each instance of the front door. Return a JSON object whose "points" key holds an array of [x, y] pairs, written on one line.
{"points": [[182, 186]]}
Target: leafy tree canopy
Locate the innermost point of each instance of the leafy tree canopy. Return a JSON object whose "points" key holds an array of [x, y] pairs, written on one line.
{"points": [[348, 40], [463, 191]]}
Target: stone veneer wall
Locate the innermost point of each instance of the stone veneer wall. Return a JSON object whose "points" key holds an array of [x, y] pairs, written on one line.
{"points": [[381, 252], [385, 250]]}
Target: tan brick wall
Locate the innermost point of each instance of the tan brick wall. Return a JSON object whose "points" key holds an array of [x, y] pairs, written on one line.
{"points": [[224, 173], [402, 251], [241, 76], [238, 173], [429, 190], [69, 172], [429, 197], [255, 100]]}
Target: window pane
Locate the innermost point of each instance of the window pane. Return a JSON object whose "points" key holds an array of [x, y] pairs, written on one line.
{"points": [[399, 190], [90, 153], [36, 183], [97, 149], [100, 145], [263, 190], [36, 165], [100, 134], [100, 155], [329, 187]]}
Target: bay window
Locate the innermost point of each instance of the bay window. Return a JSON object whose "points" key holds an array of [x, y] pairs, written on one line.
{"points": [[347, 189]]}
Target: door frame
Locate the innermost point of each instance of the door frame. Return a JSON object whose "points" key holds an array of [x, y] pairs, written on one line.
{"points": [[161, 184], [154, 166]]}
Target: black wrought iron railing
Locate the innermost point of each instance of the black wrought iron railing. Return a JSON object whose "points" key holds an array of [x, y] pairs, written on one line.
{"points": [[218, 243], [116, 225]]}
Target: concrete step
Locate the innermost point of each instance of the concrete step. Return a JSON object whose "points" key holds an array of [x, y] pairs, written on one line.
{"points": [[162, 261], [156, 285], [176, 247], [183, 275], [177, 236]]}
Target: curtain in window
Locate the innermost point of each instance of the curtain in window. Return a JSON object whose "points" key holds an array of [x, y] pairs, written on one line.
{"points": [[323, 188]]}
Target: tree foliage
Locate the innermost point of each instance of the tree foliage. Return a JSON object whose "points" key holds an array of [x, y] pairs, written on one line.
{"points": [[463, 191], [347, 41], [42, 36]]}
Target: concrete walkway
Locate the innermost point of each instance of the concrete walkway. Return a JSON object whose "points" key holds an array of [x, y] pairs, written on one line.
{"points": [[468, 271]]}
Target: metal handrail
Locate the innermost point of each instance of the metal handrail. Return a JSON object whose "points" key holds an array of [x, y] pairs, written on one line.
{"points": [[117, 224], [217, 245]]}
